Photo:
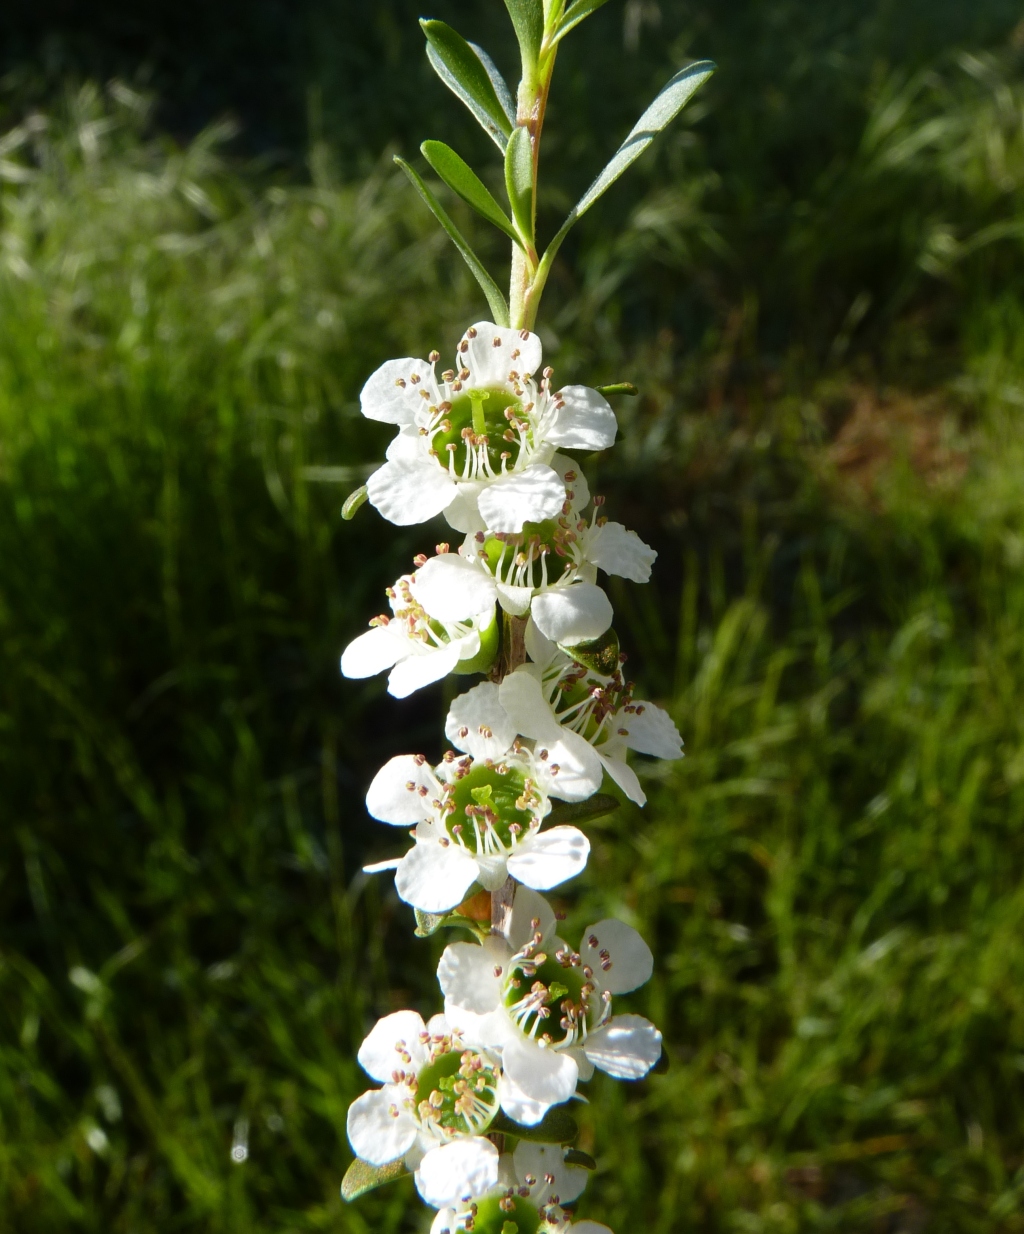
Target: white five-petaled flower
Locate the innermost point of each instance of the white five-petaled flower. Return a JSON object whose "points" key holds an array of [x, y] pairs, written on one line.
{"points": [[534, 1182], [475, 818], [477, 443], [549, 569], [593, 717], [547, 1008], [437, 1101], [443, 620]]}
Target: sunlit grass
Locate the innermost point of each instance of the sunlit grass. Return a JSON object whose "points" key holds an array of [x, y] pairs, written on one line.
{"points": [[831, 877]]}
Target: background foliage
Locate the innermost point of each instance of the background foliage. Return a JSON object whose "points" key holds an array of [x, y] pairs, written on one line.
{"points": [[815, 280]]}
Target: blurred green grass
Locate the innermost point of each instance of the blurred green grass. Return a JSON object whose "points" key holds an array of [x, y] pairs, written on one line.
{"points": [[827, 453]]}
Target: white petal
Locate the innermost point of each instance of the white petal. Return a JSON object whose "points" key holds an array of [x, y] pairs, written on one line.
{"points": [[550, 857], [573, 770], [585, 1227], [410, 492], [586, 422], [538, 1160], [383, 1051], [383, 398], [627, 1047], [617, 550], [461, 1170], [523, 699], [466, 974], [540, 649], [451, 588], [624, 776], [375, 1134], [479, 1032], [401, 792], [434, 878], [566, 467], [524, 496], [543, 1074], [416, 671], [445, 1221], [462, 514], [491, 352], [650, 730], [379, 648], [517, 1105], [406, 447], [515, 600], [629, 958], [478, 724], [572, 614], [527, 908], [379, 867]]}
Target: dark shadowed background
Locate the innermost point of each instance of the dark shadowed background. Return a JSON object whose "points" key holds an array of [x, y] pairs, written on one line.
{"points": [[816, 280]]}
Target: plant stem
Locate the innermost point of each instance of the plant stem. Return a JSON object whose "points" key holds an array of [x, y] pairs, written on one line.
{"points": [[531, 104]]}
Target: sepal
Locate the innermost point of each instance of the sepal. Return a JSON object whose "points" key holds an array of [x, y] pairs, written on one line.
{"points": [[583, 811], [600, 655]]}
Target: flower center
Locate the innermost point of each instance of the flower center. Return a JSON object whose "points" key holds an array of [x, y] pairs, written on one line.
{"points": [[481, 432], [456, 1091], [505, 1214], [548, 996], [493, 806]]}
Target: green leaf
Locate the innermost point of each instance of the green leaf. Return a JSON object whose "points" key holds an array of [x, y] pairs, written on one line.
{"points": [[352, 502], [462, 179], [495, 300], [576, 1156], [619, 387], [573, 15], [528, 19], [508, 103], [556, 1127], [519, 179], [361, 1177], [661, 113], [465, 74], [600, 655], [581, 811]]}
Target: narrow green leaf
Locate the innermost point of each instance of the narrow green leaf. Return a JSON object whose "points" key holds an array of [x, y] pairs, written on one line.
{"points": [[462, 179], [576, 1156], [619, 387], [352, 503], [495, 300], [361, 1177], [573, 15], [528, 19], [669, 103], [508, 103], [556, 1127], [463, 72], [582, 811], [519, 179]]}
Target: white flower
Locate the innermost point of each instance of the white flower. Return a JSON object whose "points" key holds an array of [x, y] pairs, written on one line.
{"points": [[437, 1101], [534, 1183], [549, 569], [443, 621], [594, 718], [476, 444], [547, 1008], [476, 820]]}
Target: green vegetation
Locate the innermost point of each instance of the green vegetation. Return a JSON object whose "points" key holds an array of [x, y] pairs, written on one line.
{"points": [[818, 294]]}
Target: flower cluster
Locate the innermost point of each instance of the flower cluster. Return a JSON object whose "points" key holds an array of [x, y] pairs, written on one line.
{"points": [[469, 1101]]}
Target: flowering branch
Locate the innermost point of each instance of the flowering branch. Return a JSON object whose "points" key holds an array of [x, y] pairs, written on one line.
{"points": [[472, 1102]]}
